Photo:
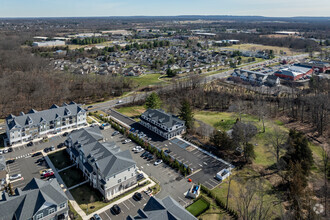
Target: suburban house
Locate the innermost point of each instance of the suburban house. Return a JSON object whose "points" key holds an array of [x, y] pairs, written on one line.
{"points": [[162, 209], [294, 72], [36, 124], [256, 77], [162, 123], [103, 164], [38, 200]]}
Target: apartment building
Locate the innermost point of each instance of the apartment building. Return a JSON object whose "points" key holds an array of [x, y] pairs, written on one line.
{"points": [[162, 123], [36, 124], [39, 200], [107, 168]]}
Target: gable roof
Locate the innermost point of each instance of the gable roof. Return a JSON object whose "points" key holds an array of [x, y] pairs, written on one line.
{"points": [[165, 209], [107, 156], [163, 118], [31, 199], [36, 117]]}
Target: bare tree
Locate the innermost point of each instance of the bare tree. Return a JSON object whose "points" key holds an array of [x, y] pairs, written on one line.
{"points": [[277, 139]]}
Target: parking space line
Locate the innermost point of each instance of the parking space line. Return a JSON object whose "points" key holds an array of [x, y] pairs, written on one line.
{"points": [[125, 205], [209, 184], [107, 215], [213, 181], [131, 202], [196, 151], [182, 200]]}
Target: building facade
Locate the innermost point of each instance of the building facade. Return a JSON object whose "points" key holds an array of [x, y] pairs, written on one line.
{"points": [[103, 164], [162, 123], [36, 124], [294, 72], [38, 200], [256, 77]]}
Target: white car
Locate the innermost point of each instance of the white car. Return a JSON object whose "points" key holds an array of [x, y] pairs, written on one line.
{"points": [[157, 162], [136, 148], [5, 151], [127, 141], [139, 150], [15, 176]]}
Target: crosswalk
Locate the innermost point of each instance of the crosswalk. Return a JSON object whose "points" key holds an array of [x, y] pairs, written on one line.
{"points": [[23, 156]]}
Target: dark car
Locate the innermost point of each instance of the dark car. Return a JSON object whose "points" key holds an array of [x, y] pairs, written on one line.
{"points": [[144, 154], [46, 150], [140, 176], [167, 151], [115, 209], [97, 217], [65, 134], [36, 154], [60, 145], [10, 149], [40, 160], [150, 157], [115, 133], [137, 196], [10, 161], [90, 106], [30, 144]]}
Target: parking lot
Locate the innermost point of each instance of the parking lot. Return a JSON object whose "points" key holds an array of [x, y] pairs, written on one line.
{"points": [[128, 207], [28, 168], [205, 167], [171, 182]]}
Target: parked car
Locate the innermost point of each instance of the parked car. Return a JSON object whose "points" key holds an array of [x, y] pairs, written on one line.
{"points": [[30, 144], [139, 150], [40, 160], [157, 162], [5, 151], [49, 174], [10, 149], [97, 217], [115, 209], [137, 196], [10, 161], [136, 148], [144, 154], [15, 176], [90, 106], [115, 133], [65, 134], [60, 145], [167, 151], [46, 171], [150, 157], [52, 148], [140, 176], [119, 101], [46, 150], [1, 152], [36, 154], [127, 141]]}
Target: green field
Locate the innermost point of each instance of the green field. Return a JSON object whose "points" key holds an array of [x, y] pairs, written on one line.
{"points": [[254, 47], [198, 207], [132, 111], [147, 80]]}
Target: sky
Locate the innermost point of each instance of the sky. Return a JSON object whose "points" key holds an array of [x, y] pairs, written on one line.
{"points": [[91, 8]]}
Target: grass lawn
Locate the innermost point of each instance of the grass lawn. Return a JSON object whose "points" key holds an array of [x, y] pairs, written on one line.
{"points": [[255, 47], [83, 193], [147, 79], [214, 212], [73, 213], [198, 207], [72, 176], [132, 111], [60, 159]]}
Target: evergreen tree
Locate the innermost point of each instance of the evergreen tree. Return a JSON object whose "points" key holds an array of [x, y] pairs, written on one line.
{"points": [[153, 101], [221, 140], [187, 114]]}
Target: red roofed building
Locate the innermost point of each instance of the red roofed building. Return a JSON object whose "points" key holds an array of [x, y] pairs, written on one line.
{"points": [[294, 72]]}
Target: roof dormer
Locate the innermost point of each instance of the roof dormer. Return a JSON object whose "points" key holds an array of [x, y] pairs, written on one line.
{"points": [[28, 121]]}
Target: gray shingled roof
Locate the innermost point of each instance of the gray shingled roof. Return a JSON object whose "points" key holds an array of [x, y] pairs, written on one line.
{"points": [[165, 209], [29, 200], [106, 155], [34, 117], [162, 117]]}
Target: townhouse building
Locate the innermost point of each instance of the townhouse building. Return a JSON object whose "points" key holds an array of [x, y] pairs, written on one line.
{"points": [[162, 123], [108, 169], [37, 124], [256, 77], [38, 200]]}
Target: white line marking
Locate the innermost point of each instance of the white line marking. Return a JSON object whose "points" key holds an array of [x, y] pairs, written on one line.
{"points": [[107, 215], [131, 202], [213, 181], [196, 151], [205, 163], [182, 200], [209, 184], [125, 205], [200, 165]]}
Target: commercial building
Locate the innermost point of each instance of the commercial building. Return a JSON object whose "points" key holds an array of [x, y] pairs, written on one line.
{"points": [[317, 66], [49, 43], [256, 77], [107, 168], [294, 72], [162, 123], [162, 209], [38, 200], [36, 124]]}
